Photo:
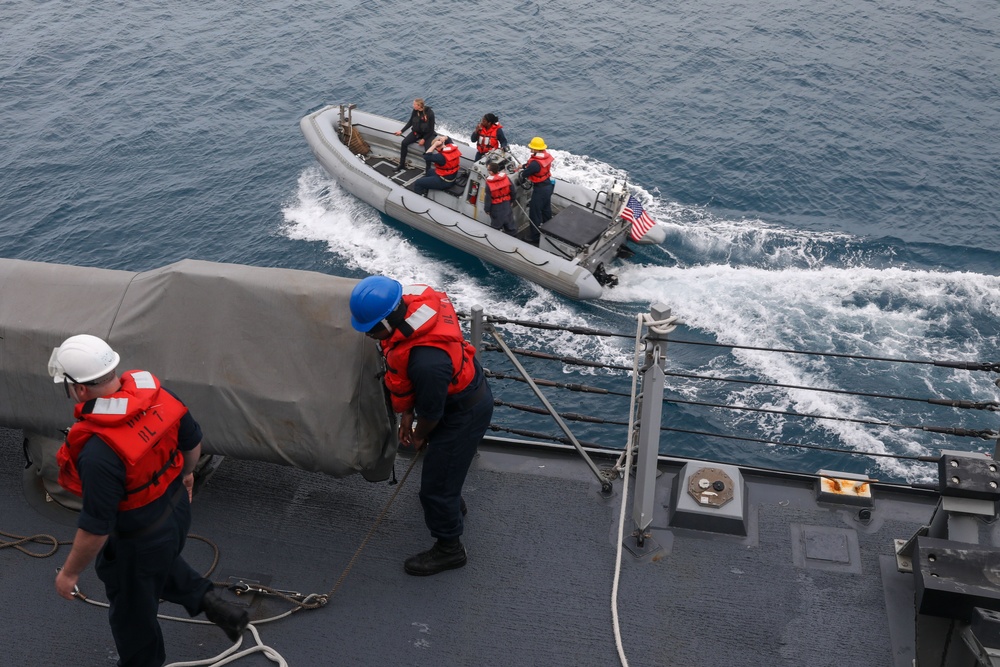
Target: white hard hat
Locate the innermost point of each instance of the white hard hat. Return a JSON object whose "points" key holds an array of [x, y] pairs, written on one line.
{"points": [[81, 359]]}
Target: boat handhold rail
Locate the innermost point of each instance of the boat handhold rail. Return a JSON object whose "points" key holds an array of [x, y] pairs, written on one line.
{"points": [[458, 226]]}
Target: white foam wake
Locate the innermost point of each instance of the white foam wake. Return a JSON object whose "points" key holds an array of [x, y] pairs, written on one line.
{"points": [[859, 311]]}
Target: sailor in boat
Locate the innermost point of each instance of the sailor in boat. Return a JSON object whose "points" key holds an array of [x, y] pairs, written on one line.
{"points": [[131, 456], [538, 171], [421, 126], [443, 158], [488, 136], [439, 389], [497, 202]]}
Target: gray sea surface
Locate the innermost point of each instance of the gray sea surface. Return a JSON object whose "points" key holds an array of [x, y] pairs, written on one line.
{"points": [[827, 175]]}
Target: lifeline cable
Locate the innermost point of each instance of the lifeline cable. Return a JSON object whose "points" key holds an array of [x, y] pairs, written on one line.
{"points": [[991, 406], [983, 434], [960, 365], [850, 452]]}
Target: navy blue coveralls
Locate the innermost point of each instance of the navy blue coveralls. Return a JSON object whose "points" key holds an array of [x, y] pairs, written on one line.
{"points": [[140, 563], [502, 214], [451, 446], [540, 208], [430, 180]]}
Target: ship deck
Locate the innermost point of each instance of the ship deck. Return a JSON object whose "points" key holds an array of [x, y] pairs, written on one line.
{"points": [[810, 584]]}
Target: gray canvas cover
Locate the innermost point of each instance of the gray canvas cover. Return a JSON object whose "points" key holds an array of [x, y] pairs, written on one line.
{"points": [[265, 359]]}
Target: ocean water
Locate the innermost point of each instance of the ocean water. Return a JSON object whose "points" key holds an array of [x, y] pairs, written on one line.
{"points": [[827, 175]]}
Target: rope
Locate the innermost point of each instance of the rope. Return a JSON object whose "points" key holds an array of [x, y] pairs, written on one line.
{"points": [[230, 654], [621, 516], [983, 434], [851, 452], [427, 213], [371, 531], [587, 331], [961, 365], [21, 540]]}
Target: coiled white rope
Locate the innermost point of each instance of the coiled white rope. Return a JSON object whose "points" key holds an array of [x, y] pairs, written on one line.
{"points": [[625, 474], [232, 654], [229, 654]]}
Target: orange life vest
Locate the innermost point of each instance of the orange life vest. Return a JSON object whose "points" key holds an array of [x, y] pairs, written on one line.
{"points": [[430, 321], [545, 160], [139, 422], [452, 156], [499, 186], [488, 138]]}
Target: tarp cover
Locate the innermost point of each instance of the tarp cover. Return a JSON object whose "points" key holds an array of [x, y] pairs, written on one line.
{"points": [[265, 359]]}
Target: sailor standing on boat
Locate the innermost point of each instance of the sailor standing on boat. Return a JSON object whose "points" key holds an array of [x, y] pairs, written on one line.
{"points": [[443, 158], [439, 389], [488, 135], [421, 126], [537, 170], [131, 456], [497, 202]]}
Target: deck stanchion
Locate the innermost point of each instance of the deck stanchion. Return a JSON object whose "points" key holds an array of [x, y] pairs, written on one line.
{"points": [[476, 328], [647, 440]]}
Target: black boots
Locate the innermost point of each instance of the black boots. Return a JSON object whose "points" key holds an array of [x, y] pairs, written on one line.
{"points": [[444, 555], [232, 619]]}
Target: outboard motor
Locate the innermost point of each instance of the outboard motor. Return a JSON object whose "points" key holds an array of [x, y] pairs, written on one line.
{"points": [[604, 278]]}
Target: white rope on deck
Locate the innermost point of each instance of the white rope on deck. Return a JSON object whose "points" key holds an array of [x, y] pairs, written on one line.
{"points": [[625, 474], [232, 654]]}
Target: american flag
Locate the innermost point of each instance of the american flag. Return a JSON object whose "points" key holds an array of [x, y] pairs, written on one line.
{"points": [[641, 222]]}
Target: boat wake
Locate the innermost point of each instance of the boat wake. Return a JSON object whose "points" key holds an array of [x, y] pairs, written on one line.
{"points": [[855, 311]]}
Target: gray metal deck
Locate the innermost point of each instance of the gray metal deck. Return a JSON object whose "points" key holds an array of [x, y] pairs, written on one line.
{"points": [[807, 586]]}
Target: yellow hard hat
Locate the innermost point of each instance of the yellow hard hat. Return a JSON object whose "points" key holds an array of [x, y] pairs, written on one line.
{"points": [[537, 144]]}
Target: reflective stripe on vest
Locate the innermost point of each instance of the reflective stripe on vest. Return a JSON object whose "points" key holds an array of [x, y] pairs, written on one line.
{"points": [[139, 422], [437, 326], [488, 139]]}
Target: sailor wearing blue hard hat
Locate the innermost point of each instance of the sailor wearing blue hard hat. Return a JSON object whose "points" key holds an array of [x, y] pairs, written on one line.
{"points": [[440, 392]]}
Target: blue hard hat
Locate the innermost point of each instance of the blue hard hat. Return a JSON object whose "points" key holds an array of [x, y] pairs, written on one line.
{"points": [[372, 300]]}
